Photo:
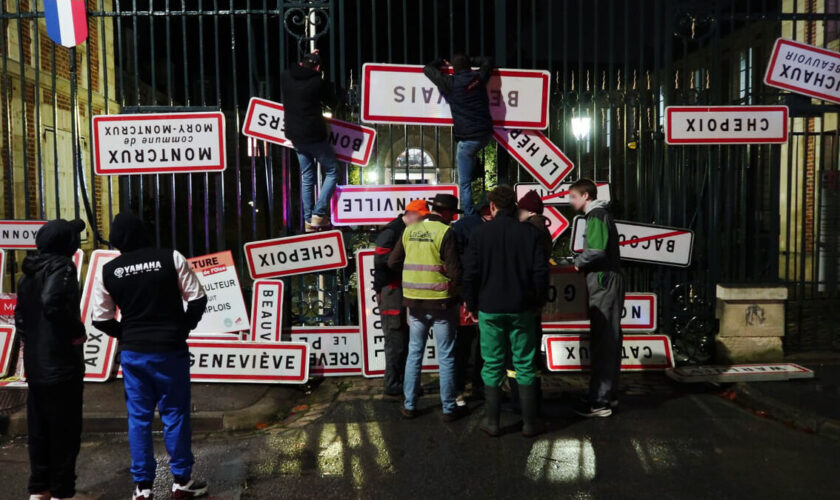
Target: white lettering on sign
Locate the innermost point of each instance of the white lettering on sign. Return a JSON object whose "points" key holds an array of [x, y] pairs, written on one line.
{"points": [[638, 315], [557, 224], [638, 353], [19, 234], [159, 143], [334, 351], [7, 344], [373, 336], [639, 242], [352, 143], [739, 373], [225, 311], [804, 69], [266, 311], [99, 349], [537, 154], [726, 124], [559, 195], [568, 298], [379, 205], [249, 362], [397, 93], [296, 255]]}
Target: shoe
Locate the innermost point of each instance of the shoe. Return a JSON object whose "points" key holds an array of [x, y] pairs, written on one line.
{"points": [[44, 495], [192, 489], [457, 414], [408, 414], [590, 410], [529, 403], [144, 494], [613, 404], [308, 228], [461, 400], [319, 221], [492, 408]]}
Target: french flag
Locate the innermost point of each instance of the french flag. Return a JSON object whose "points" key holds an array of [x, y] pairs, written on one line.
{"points": [[66, 21]]}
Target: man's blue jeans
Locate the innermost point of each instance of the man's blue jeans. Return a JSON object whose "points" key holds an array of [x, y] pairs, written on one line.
{"points": [[307, 155], [420, 321], [467, 167]]}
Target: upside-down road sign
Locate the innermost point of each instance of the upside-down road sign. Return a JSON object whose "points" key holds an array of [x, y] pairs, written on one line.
{"points": [[639, 242], [804, 69], [726, 124]]}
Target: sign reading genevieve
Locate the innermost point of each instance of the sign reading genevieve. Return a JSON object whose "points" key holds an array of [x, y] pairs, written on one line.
{"points": [[300, 254], [804, 69], [726, 124], [378, 205], [244, 362]]}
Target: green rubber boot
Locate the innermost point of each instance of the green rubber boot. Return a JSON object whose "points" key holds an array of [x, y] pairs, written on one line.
{"points": [[529, 401], [492, 396]]}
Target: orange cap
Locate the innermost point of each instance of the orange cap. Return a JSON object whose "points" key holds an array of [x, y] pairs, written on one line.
{"points": [[419, 206]]}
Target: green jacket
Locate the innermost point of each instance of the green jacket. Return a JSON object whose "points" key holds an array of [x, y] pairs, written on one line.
{"points": [[600, 249]]}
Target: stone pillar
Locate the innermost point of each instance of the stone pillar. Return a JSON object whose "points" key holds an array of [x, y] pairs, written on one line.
{"points": [[751, 323]]}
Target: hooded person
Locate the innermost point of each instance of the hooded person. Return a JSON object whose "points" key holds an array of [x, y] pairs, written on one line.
{"points": [[531, 208], [49, 324], [149, 287]]}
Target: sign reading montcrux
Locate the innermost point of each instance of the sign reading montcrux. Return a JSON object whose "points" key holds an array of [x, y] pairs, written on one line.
{"points": [[804, 69], [726, 124], [296, 255]]}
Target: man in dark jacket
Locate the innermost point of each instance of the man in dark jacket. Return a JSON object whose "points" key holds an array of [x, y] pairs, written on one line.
{"points": [[149, 286], [387, 283], [305, 92], [505, 279], [47, 319], [466, 92]]}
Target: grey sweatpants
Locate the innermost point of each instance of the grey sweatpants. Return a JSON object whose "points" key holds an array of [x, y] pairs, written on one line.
{"points": [[606, 301]]}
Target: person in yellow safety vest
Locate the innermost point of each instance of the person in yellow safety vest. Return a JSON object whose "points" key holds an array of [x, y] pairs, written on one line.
{"points": [[431, 281]]}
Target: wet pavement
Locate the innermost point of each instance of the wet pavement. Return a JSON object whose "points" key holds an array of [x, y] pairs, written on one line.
{"points": [[346, 441]]}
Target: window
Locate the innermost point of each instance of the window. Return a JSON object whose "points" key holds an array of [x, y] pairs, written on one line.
{"points": [[745, 66]]}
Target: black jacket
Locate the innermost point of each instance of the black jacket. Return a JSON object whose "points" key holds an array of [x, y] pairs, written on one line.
{"points": [[304, 94], [463, 229], [466, 93], [385, 242], [507, 271]]}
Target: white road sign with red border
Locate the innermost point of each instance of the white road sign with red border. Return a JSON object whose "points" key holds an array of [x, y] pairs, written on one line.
{"points": [[537, 154], [726, 124], [804, 69], [334, 351], [225, 313], [249, 362], [7, 344], [267, 311], [566, 353], [352, 143], [557, 224], [399, 93], [638, 316], [560, 195], [19, 234], [639, 242], [739, 373], [99, 349], [306, 253], [568, 298], [379, 205], [3, 268]]}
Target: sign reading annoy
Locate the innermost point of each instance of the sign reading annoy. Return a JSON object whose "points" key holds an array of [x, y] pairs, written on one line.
{"points": [[379, 205], [333, 350], [19, 234], [99, 349], [536, 153], [559, 195], [296, 255], [804, 69], [398, 93], [638, 353], [159, 143], [225, 311], [352, 143], [726, 124], [249, 362], [639, 242], [638, 315], [267, 311]]}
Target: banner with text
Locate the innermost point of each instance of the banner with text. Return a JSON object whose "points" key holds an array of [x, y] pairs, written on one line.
{"points": [[225, 313]]}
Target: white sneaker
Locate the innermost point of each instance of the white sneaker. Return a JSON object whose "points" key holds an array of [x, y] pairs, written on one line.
{"points": [[40, 496], [139, 494], [192, 489]]}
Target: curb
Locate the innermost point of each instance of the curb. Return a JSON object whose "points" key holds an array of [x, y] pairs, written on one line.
{"points": [[752, 398]]}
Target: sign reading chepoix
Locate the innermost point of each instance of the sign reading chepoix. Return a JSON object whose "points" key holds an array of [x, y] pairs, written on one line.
{"points": [[19, 234], [7, 344], [804, 69], [399, 93], [158, 143], [225, 310], [378, 205], [639, 242], [559, 195], [333, 350], [568, 299], [739, 373], [352, 143], [638, 315], [638, 353], [373, 337], [726, 124], [99, 349], [536, 153], [249, 362], [301, 254], [267, 311]]}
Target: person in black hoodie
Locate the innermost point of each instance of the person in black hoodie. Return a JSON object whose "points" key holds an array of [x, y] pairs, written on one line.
{"points": [[48, 321], [305, 92], [149, 286]]}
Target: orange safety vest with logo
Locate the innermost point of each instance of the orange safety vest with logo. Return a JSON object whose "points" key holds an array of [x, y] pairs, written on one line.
{"points": [[423, 270]]}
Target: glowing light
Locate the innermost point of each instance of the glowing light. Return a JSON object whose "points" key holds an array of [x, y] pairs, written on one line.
{"points": [[580, 127], [372, 176]]}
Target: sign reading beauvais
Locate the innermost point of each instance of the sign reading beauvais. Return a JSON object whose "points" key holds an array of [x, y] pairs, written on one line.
{"points": [[561, 195], [397, 93], [638, 242], [638, 353], [19, 234], [333, 350], [352, 143], [159, 143], [225, 310], [306, 253], [804, 69], [267, 311], [537, 154], [726, 124], [378, 205]]}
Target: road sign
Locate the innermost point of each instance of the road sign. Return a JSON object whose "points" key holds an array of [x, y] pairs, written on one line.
{"points": [[267, 311], [739, 373], [379, 205], [373, 337], [557, 224], [804, 69], [99, 349], [638, 316], [565, 353], [352, 143], [726, 124], [536, 153], [306, 253], [249, 362], [334, 351], [560, 194], [7, 344], [399, 93], [159, 143], [225, 311], [639, 242], [19, 234], [3, 268], [78, 261], [568, 299]]}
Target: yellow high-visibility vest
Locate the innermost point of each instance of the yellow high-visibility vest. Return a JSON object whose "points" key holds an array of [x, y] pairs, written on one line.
{"points": [[423, 276]]}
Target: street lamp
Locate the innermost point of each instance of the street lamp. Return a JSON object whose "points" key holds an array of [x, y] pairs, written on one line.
{"points": [[580, 127]]}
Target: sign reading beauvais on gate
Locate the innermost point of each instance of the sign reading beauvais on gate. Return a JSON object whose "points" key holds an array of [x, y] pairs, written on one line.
{"points": [[352, 143], [726, 124], [534, 151], [638, 242], [225, 310], [398, 93], [159, 143], [306, 253], [638, 353], [379, 205], [638, 315], [804, 69], [334, 351], [19, 234], [560, 195]]}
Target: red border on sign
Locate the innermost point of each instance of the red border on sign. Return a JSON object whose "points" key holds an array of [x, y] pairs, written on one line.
{"points": [[159, 170], [21, 247], [565, 223], [292, 239], [366, 99], [715, 109], [551, 366], [254, 294], [328, 330], [7, 334], [233, 346], [799, 369], [2, 267], [111, 342], [522, 161], [777, 47], [650, 298], [382, 189]]}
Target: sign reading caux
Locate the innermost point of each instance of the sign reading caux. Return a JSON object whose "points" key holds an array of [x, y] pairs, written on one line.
{"points": [[559, 195], [266, 311], [296, 254], [249, 362], [378, 205], [638, 353], [99, 349], [726, 124], [638, 315], [333, 350], [804, 69], [225, 310], [19, 234], [638, 242], [534, 151]]}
